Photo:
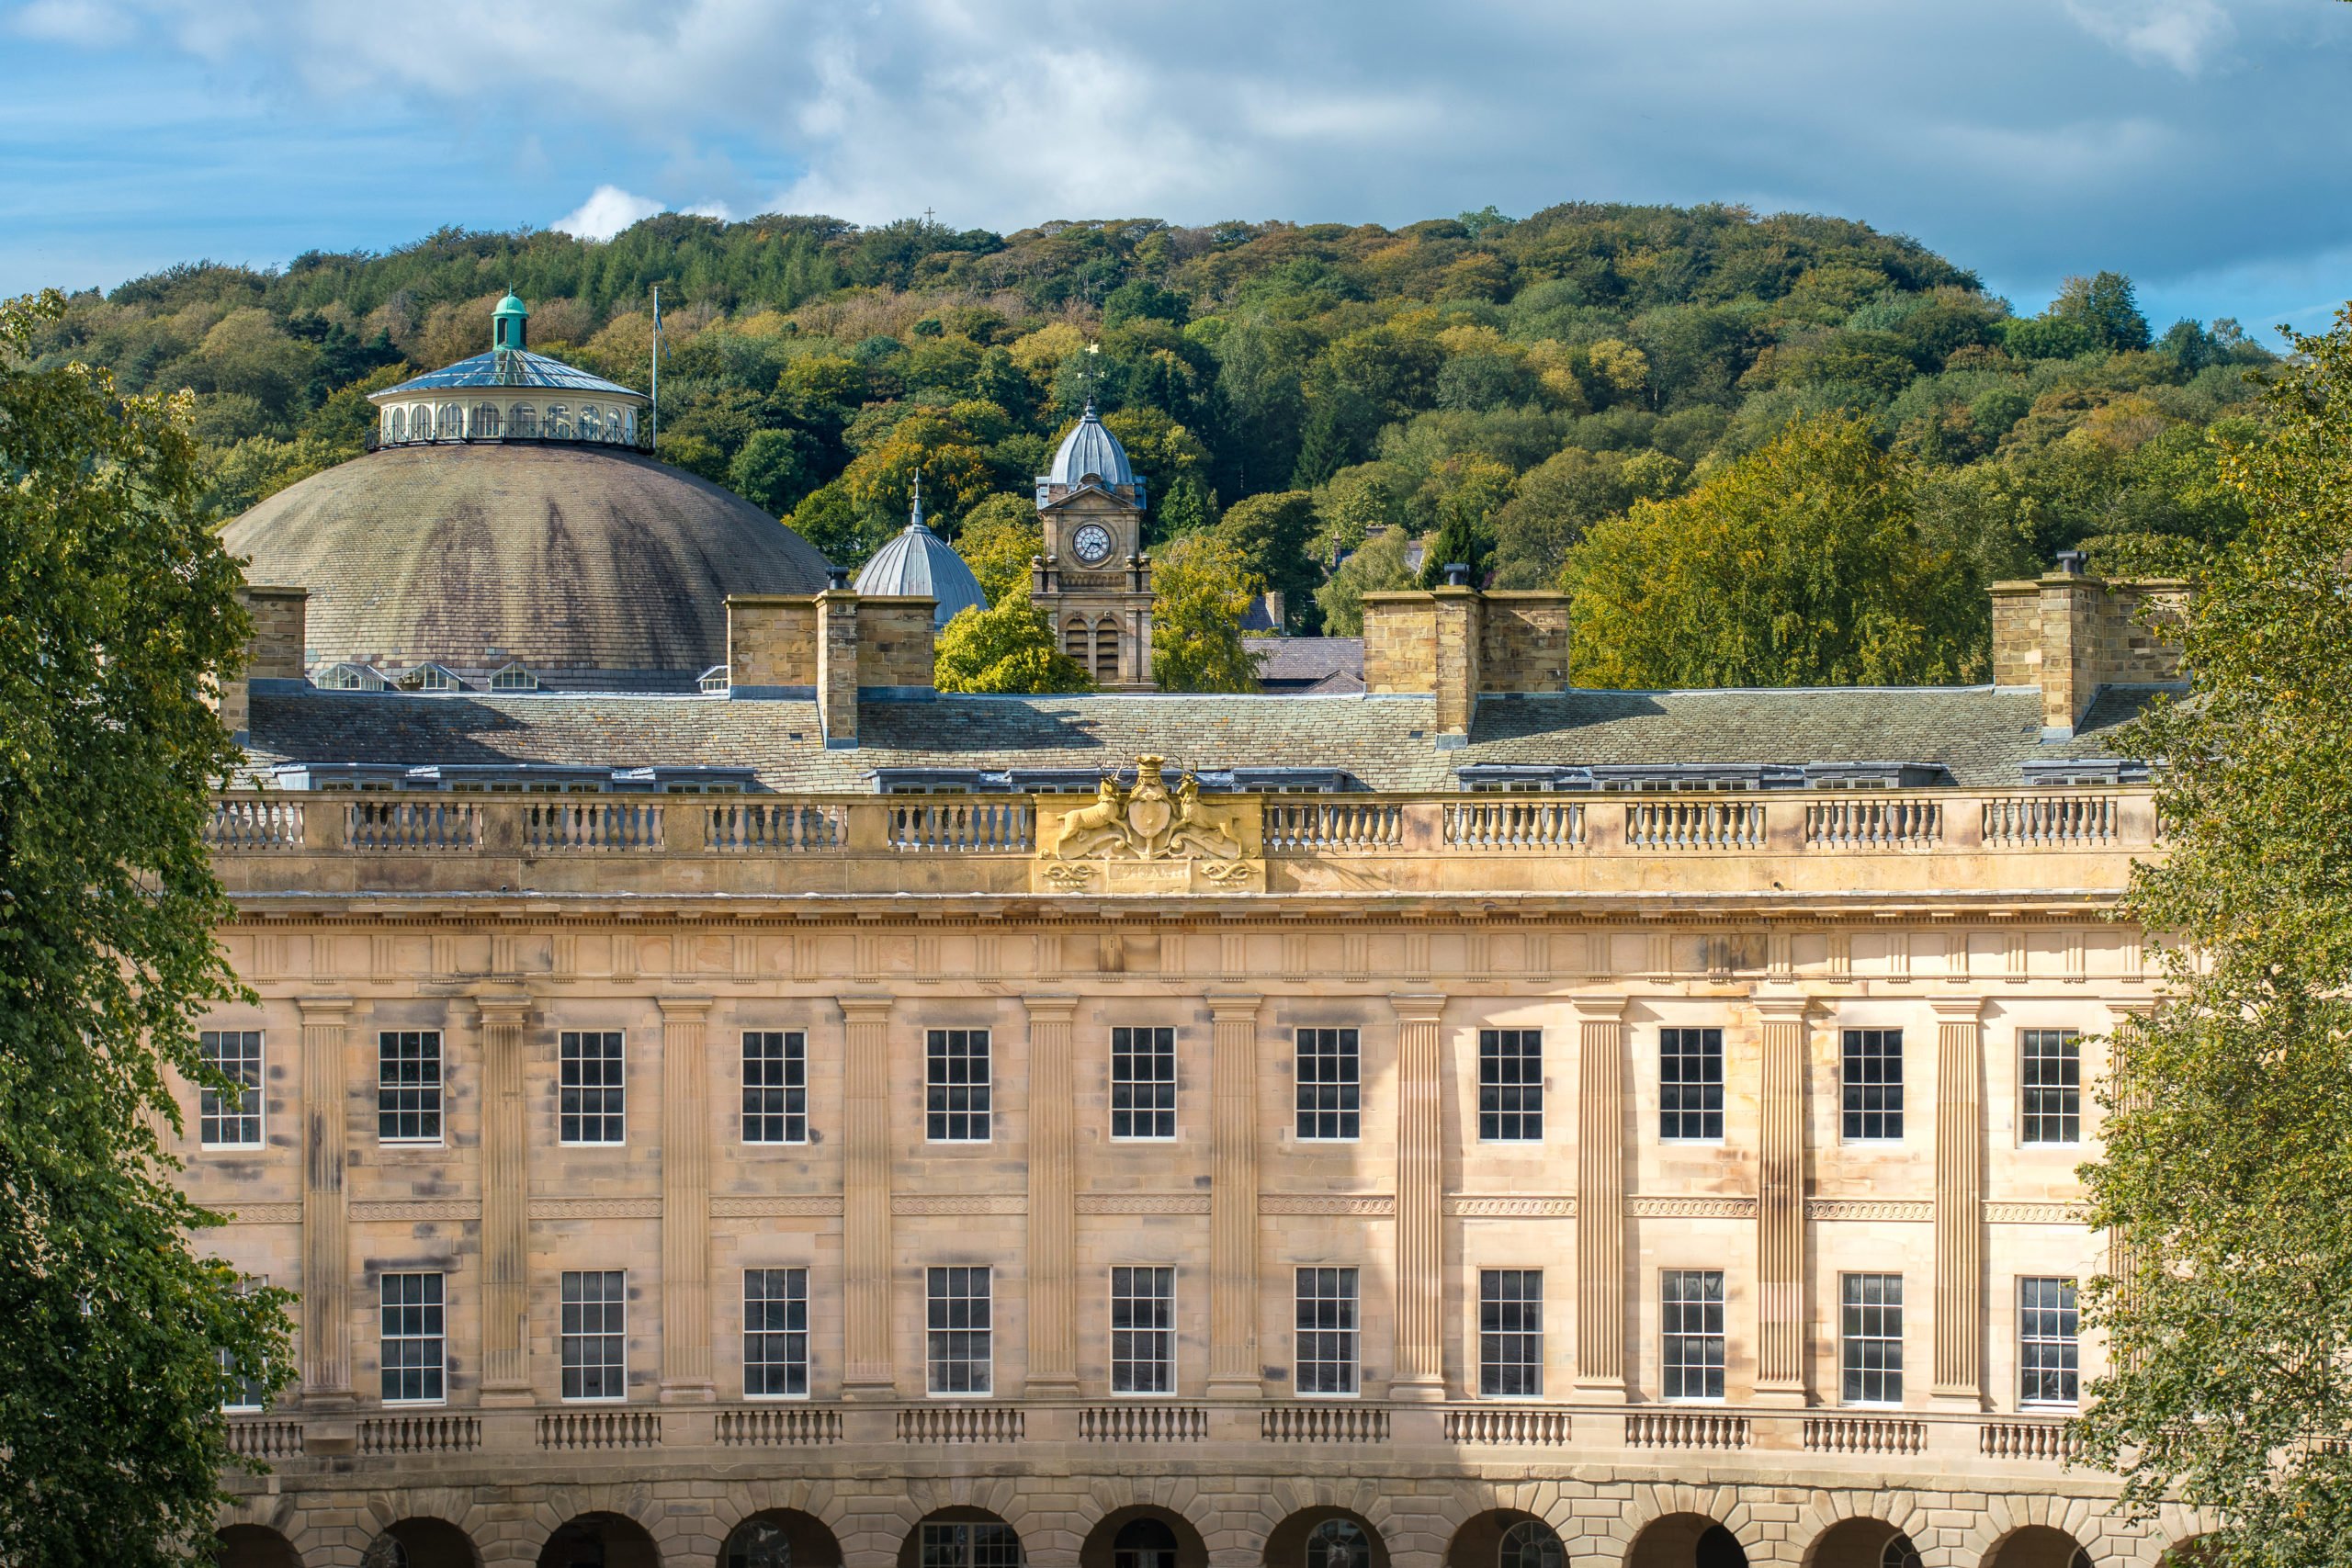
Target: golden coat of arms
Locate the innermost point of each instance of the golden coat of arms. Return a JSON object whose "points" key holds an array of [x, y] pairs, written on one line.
{"points": [[1149, 837]]}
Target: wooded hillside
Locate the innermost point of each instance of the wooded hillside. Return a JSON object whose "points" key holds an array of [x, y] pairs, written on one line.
{"points": [[1496, 386]]}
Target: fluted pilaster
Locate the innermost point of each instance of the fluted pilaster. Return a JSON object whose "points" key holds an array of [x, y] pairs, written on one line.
{"points": [[1782, 1326], [1421, 1201], [868, 1372], [326, 1243], [1960, 1204], [505, 1204], [1600, 1198], [1053, 1157], [1234, 1371], [686, 1201]]}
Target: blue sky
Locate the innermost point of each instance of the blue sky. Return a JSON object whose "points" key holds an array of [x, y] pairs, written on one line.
{"points": [[2202, 147]]}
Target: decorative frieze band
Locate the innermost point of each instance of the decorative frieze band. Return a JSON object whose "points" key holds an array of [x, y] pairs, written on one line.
{"points": [[818, 1206], [960, 1203], [595, 1209], [2036, 1213], [1468, 1206], [1921, 1211], [1143, 1203], [1367, 1203], [1690, 1208], [264, 1214], [416, 1211]]}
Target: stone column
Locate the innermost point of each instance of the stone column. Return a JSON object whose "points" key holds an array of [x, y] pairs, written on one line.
{"points": [[1959, 1205], [1601, 1199], [869, 1372], [1420, 1203], [1234, 1371], [685, 1201], [1782, 1327], [326, 1244], [505, 1204], [1053, 1157]]}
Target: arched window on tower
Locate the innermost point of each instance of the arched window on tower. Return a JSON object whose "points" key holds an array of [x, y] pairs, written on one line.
{"points": [[557, 426], [485, 422], [592, 423], [522, 420], [1106, 650], [1077, 639], [453, 422], [396, 424]]}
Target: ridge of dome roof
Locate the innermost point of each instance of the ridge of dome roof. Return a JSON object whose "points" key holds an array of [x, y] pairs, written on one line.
{"points": [[509, 367], [1090, 448]]}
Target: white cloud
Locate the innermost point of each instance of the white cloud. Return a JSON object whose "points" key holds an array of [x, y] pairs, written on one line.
{"points": [[2183, 34], [606, 213], [88, 23]]}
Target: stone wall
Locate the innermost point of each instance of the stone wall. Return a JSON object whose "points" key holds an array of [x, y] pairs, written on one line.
{"points": [[771, 642], [894, 642], [1524, 642]]}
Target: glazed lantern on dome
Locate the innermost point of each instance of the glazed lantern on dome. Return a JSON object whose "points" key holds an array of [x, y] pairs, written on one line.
{"points": [[510, 394]]}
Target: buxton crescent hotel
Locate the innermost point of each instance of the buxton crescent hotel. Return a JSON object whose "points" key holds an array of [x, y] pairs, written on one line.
{"points": [[722, 1104]]}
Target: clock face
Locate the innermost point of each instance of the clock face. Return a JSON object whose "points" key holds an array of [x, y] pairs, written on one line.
{"points": [[1091, 544]]}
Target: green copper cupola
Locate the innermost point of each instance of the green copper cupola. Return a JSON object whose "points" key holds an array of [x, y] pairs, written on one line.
{"points": [[507, 323]]}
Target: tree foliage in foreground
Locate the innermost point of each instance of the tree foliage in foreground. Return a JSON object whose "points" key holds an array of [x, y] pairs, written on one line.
{"points": [[2226, 1175], [1799, 565], [116, 610], [1201, 586], [1008, 648]]}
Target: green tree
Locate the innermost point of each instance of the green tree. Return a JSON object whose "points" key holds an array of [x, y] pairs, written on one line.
{"points": [[1799, 565], [1376, 567], [1007, 648], [1272, 536], [117, 611], [999, 539], [2225, 1176], [772, 471], [2105, 307], [1201, 586]]}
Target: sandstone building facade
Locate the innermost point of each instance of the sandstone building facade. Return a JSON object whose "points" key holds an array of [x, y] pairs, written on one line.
{"points": [[799, 1118]]}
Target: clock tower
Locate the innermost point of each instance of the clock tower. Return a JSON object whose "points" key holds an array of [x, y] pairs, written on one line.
{"points": [[1093, 581]]}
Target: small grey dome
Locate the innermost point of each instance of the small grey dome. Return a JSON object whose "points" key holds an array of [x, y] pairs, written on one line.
{"points": [[918, 563], [1092, 450]]}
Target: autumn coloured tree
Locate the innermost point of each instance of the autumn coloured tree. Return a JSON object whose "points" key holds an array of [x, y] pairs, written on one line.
{"points": [[1799, 565]]}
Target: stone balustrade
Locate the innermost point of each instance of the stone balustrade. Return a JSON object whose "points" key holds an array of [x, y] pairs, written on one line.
{"points": [[869, 1433], [1897, 842]]}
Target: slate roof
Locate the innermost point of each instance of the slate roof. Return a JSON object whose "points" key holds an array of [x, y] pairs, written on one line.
{"points": [[1296, 665], [1982, 735]]}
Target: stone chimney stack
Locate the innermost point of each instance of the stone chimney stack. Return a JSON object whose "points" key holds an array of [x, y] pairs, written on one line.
{"points": [[2071, 634], [275, 653], [1456, 644]]}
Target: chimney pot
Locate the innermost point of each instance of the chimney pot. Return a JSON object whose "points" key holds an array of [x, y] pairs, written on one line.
{"points": [[1458, 574], [2072, 562], [837, 577]]}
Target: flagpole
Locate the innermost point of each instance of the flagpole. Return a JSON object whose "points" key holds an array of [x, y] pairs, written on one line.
{"points": [[656, 433]]}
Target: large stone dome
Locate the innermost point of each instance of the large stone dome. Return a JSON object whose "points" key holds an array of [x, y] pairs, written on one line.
{"points": [[591, 567]]}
